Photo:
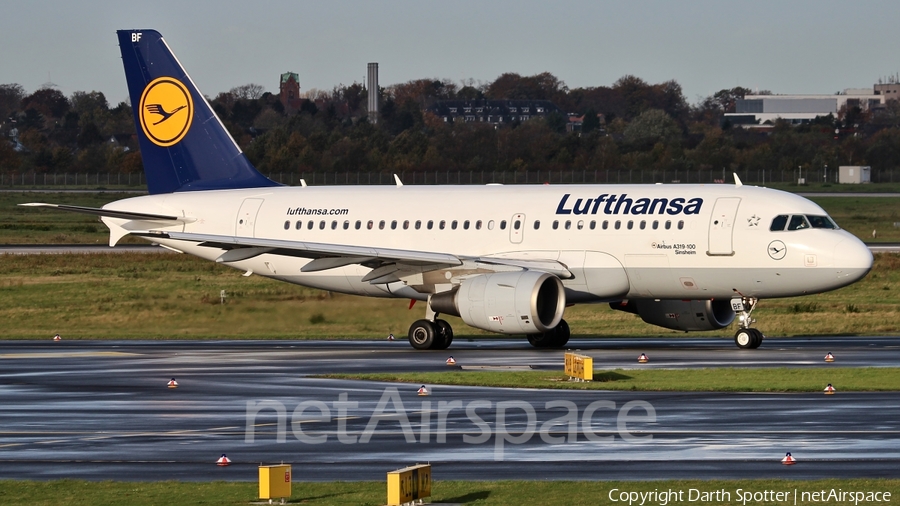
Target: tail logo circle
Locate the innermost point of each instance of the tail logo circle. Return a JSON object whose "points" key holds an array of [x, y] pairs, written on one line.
{"points": [[166, 111]]}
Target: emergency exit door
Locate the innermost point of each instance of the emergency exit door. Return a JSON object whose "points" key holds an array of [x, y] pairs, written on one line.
{"points": [[517, 228]]}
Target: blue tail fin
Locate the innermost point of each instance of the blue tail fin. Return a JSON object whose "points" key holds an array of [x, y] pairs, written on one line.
{"points": [[184, 145]]}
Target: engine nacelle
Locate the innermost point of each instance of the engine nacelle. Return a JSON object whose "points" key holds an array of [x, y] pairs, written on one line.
{"points": [[523, 302], [681, 314]]}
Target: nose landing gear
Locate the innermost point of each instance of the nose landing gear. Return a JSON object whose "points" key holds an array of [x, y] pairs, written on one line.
{"points": [[746, 337]]}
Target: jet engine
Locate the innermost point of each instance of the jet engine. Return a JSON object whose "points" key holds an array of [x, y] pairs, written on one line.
{"points": [[681, 314], [523, 302]]}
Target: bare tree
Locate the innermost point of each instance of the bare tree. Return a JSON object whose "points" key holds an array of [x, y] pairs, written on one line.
{"points": [[248, 91]]}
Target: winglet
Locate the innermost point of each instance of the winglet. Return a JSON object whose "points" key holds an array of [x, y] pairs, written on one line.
{"points": [[737, 180], [397, 180], [303, 182]]}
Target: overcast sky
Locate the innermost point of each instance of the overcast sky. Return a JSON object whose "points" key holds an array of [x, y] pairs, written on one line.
{"points": [[786, 46]]}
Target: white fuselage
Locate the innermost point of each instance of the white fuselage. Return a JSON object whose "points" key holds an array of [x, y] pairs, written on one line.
{"points": [[618, 241]]}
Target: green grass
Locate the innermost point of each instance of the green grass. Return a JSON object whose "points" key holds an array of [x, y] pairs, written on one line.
{"points": [[166, 296], [501, 493], [861, 215], [781, 379]]}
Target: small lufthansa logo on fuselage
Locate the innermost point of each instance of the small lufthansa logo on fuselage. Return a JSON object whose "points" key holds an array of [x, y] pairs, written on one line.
{"points": [[166, 111], [777, 250]]}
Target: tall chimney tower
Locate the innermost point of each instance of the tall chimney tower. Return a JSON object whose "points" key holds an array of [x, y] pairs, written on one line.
{"points": [[372, 85]]}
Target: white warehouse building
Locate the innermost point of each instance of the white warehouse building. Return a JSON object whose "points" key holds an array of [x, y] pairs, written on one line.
{"points": [[757, 110]]}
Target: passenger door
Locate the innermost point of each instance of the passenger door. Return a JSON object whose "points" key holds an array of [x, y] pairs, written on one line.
{"points": [[245, 224], [721, 226]]}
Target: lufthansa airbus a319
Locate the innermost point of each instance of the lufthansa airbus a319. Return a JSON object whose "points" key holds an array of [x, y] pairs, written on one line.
{"points": [[506, 259]]}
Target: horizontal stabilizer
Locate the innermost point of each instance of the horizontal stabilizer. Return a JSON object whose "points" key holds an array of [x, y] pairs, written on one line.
{"points": [[110, 213]]}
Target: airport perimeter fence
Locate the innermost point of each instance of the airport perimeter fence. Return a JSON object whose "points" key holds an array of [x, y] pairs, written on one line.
{"points": [[136, 181]]}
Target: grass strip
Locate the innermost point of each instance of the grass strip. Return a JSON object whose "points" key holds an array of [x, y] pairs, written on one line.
{"points": [[83, 493], [168, 296], [726, 379]]}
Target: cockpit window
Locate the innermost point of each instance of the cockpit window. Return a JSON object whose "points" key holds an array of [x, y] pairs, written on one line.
{"points": [[821, 221], [798, 222], [778, 223]]}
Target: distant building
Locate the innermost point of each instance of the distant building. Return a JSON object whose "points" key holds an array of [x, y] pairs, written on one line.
{"points": [[854, 174], [290, 91], [575, 122], [757, 110], [495, 112]]}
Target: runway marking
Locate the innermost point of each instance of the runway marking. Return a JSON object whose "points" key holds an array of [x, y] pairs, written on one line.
{"points": [[68, 354]]}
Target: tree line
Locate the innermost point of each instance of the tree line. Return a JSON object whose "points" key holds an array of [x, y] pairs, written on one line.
{"points": [[630, 125]]}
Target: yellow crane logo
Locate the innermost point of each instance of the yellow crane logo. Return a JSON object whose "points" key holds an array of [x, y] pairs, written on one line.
{"points": [[166, 111]]}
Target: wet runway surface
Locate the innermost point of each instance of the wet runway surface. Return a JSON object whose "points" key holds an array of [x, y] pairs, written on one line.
{"points": [[102, 410]]}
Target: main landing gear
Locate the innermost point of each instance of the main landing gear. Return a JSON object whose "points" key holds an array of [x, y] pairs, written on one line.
{"points": [[430, 335], [746, 337], [554, 338]]}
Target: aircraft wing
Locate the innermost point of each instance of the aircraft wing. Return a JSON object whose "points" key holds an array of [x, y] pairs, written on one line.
{"points": [[388, 264]]}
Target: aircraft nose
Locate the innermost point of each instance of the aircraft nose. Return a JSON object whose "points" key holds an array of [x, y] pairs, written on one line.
{"points": [[852, 258]]}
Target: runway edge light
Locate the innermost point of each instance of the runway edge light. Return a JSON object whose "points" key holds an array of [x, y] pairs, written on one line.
{"points": [[423, 391], [223, 460], [788, 459], [451, 360], [57, 338], [172, 383], [643, 359], [829, 390], [829, 357]]}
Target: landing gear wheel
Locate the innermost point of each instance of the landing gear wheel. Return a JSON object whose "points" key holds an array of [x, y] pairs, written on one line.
{"points": [[422, 335], [744, 338], [554, 338], [540, 340], [757, 338], [560, 335], [443, 336]]}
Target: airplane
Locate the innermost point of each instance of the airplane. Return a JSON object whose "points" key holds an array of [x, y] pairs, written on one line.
{"points": [[506, 259]]}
